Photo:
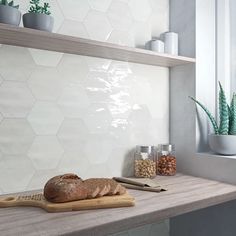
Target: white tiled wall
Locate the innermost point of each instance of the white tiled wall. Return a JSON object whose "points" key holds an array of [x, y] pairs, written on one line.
{"points": [[67, 113]]}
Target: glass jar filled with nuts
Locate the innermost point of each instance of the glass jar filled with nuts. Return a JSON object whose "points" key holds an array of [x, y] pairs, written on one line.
{"points": [[166, 164], [145, 162]]}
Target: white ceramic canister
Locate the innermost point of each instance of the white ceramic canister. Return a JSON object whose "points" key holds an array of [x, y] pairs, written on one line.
{"points": [[171, 43], [157, 46]]}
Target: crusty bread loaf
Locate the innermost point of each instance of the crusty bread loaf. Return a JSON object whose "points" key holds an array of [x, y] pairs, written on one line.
{"points": [[103, 182], [70, 187], [104, 186], [65, 188]]}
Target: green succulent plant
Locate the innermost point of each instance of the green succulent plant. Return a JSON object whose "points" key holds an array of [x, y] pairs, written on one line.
{"points": [[37, 8], [227, 124], [10, 4]]}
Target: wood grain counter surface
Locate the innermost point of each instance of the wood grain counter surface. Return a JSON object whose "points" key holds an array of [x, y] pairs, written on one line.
{"points": [[185, 194]]}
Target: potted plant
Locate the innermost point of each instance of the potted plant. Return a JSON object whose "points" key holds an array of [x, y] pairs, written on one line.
{"points": [[9, 13], [38, 17], [223, 141]]}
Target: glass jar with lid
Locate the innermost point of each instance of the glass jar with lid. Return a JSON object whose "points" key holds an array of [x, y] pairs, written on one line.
{"points": [[166, 164], [145, 161]]}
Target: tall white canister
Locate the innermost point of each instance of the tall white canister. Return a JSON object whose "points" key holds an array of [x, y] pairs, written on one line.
{"points": [[171, 43]]}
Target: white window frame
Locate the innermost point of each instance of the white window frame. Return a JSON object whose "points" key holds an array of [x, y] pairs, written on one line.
{"points": [[223, 45]]}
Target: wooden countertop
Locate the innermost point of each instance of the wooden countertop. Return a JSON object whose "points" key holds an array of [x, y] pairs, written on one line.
{"points": [[185, 194]]}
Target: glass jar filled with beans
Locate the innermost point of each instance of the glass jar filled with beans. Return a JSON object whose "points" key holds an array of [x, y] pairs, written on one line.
{"points": [[166, 164], [145, 161]]}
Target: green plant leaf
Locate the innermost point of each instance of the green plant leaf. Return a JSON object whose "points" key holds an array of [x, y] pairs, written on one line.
{"points": [[224, 112], [232, 123], [210, 116]]}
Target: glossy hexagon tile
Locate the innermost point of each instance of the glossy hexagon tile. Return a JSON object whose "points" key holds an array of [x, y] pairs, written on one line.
{"points": [[17, 170], [40, 177], [114, 13], [100, 5], [19, 74], [120, 37], [96, 64], [99, 148], [15, 56], [73, 135], [16, 100], [97, 86], [74, 162], [142, 33], [45, 58], [46, 83], [73, 101], [140, 10], [73, 68], [73, 28], [96, 20], [98, 170], [74, 9], [97, 118], [45, 118], [150, 81], [159, 23], [120, 131], [16, 136], [45, 152], [139, 118], [118, 160]]}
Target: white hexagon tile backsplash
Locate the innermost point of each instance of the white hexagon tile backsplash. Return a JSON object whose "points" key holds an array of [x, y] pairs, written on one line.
{"points": [[69, 113]]}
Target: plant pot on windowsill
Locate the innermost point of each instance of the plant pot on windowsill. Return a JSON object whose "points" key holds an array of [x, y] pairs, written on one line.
{"points": [[223, 144], [10, 15], [38, 21], [224, 140]]}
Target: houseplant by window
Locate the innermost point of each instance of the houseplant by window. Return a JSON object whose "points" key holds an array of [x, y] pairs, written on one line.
{"points": [[223, 141], [9, 13], [38, 16]]}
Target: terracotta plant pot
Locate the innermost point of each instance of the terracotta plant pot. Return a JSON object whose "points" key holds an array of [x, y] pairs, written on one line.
{"points": [[223, 144], [9, 15], [38, 21]]}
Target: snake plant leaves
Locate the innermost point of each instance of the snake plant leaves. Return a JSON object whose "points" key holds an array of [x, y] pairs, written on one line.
{"points": [[232, 129], [224, 113], [210, 116]]}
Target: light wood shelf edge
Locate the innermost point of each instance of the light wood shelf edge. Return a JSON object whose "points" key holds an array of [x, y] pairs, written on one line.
{"points": [[18, 36]]}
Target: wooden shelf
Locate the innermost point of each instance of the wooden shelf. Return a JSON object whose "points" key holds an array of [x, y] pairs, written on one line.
{"points": [[18, 36], [185, 194]]}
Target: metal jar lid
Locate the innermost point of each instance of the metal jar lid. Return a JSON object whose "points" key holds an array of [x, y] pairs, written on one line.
{"points": [[166, 147], [145, 149]]}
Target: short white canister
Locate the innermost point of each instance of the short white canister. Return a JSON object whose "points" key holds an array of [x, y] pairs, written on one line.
{"points": [[157, 46], [171, 43]]}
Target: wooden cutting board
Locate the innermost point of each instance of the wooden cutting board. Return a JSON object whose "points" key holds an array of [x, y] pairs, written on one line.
{"points": [[38, 200]]}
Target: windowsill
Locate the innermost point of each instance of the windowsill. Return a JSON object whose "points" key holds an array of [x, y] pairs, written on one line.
{"points": [[214, 155]]}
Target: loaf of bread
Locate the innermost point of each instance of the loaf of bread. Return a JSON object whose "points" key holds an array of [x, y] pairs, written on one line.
{"points": [[70, 187]]}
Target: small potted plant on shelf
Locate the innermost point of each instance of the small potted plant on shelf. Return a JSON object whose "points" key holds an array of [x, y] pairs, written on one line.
{"points": [[9, 13], [38, 17], [223, 141]]}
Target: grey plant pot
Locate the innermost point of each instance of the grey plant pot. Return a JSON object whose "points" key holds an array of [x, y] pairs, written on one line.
{"points": [[38, 21], [9, 15], [223, 144]]}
